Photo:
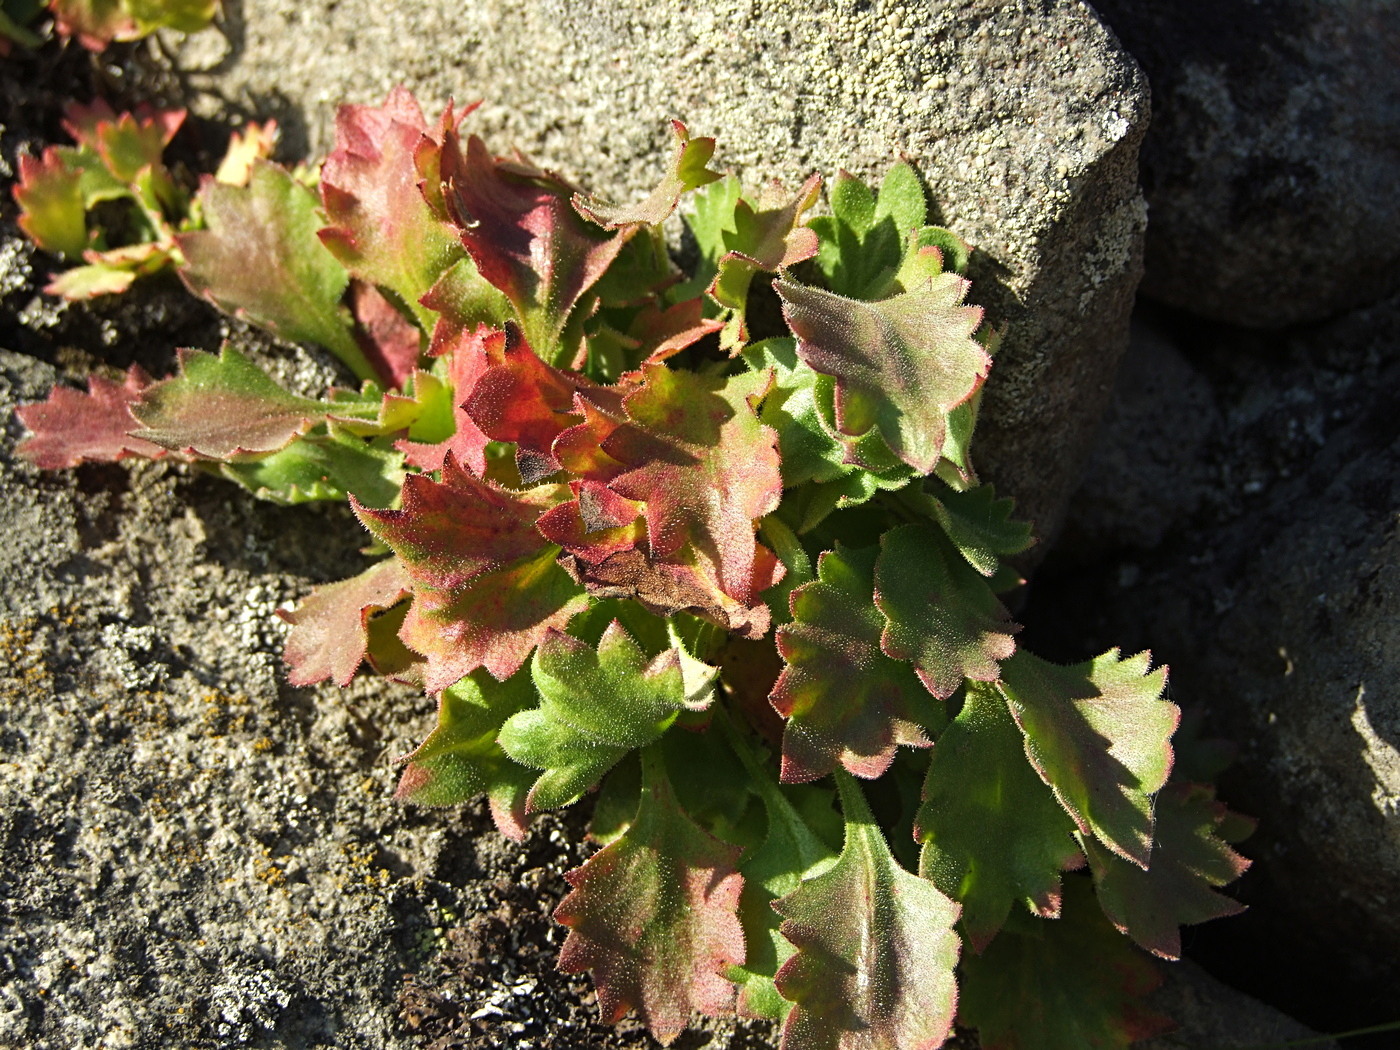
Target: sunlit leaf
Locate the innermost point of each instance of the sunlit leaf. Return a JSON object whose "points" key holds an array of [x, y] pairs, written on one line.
{"points": [[330, 626]]}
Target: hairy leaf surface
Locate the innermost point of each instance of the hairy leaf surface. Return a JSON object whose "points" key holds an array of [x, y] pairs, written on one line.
{"points": [[901, 364], [686, 172], [875, 950], [1064, 984], [595, 706], [486, 585], [261, 258], [461, 758], [1100, 735], [654, 916], [993, 833], [1188, 858], [941, 614], [70, 427], [382, 229], [845, 701], [330, 626]]}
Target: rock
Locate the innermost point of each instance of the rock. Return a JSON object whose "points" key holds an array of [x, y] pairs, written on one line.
{"points": [[1275, 603], [1024, 119], [1211, 1014], [1270, 167]]}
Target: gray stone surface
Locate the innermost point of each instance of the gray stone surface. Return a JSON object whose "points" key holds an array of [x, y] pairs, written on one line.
{"points": [[1273, 163], [1213, 1016], [1024, 117]]}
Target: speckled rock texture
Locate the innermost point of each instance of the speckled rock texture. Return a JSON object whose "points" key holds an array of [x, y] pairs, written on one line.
{"points": [[1025, 118], [1271, 587], [1271, 163]]}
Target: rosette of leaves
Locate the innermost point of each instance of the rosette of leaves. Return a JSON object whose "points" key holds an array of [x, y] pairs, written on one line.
{"points": [[110, 201], [643, 541]]}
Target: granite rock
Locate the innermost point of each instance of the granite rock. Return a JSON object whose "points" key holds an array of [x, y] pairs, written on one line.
{"points": [[1024, 118], [1271, 163]]}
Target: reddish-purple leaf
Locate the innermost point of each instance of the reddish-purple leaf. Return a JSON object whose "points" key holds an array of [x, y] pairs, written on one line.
{"points": [[845, 701], [219, 407], [525, 238], [686, 172], [901, 364], [485, 582], [705, 470], [1100, 735], [468, 354], [875, 949], [655, 917], [522, 400], [1188, 859], [662, 333], [330, 626], [381, 227], [390, 341], [71, 427]]}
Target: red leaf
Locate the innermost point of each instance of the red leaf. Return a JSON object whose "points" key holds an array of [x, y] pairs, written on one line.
{"points": [[687, 171], [704, 468], [654, 915], [525, 238], [330, 626], [381, 228], [662, 333], [468, 355], [389, 340], [486, 587], [71, 427]]}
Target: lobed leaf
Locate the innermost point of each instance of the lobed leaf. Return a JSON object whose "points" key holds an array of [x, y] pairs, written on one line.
{"points": [[901, 365], [687, 171], [596, 705], [992, 832], [654, 916], [1066, 984], [255, 142], [260, 257], [329, 463], [461, 758], [465, 356], [845, 701], [70, 427], [51, 201], [486, 588], [221, 407], [1188, 859], [381, 228], [695, 455], [525, 238], [1100, 735], [941, 614], [330, 626], [875, 950], [863, 241]]}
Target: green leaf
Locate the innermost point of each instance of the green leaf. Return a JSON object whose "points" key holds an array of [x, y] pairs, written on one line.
{"points": [[1188, 858], [461, 758], [654, 916], [901, 365], [992, 832], [324, 466], [1067, 984], [595, 706], [221, 407], [979, 524], [863, 242], [875, 949], [846, 702], [184, 16], [1100, 735], [941, 614], [50, 197], [261, 258], [686, 172], [710, 219]]}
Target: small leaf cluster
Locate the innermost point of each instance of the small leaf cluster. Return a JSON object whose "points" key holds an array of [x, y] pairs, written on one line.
{"points": [[706, 544], [97, 23], [117, 166]]}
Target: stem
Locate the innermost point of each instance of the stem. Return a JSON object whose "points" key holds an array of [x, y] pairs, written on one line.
{"points": [[853, 804]]}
